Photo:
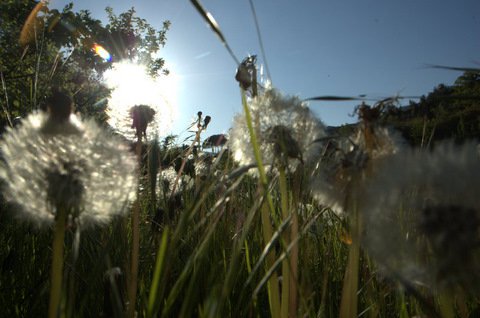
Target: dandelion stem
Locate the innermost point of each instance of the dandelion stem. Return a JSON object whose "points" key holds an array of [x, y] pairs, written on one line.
{"points": [[135, 256], [273, 291], [184, 161], [272, 285], [132, 293], [260, 41], [5, 107], [57, 264], [349, 302], [256, 151], [446, 304], [159, 266], [293, 301], [71, 289], [286, 238]]}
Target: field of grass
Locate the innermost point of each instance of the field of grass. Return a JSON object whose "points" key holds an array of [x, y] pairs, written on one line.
{"points": [[229, 243]]}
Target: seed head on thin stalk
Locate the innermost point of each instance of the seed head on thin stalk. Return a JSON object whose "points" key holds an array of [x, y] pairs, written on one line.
{"points": [[138, 100], [167, 178], [203, 166], [206, 121], [345, 163], [285, 127], [141, 116], [59, 170], [68, 162], [422, 219]]}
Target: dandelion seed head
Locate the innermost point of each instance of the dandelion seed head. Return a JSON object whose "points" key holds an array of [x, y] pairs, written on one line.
{"points": [[283, 143], [141, 116], [167, 178], [423, 213], [271, 110], [345, 164], [203, 165], [131, 85], [65, 187], [385, 142], [206, 121], [46, 165]]}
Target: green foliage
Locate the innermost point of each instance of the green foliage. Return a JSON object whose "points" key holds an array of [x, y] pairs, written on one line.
{"points": [[448, 112], [133, 38], [204, 261], [56, 49]]}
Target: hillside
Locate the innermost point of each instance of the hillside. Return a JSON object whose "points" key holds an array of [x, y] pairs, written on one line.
{"points": [[448, 112]]}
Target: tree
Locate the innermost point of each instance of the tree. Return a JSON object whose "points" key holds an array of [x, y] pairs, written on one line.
{"points": [[468, 79], [133, 38], [43, 48], [448, 112]]}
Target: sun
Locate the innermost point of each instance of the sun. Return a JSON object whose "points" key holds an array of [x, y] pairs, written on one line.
{"points": [[131, 85]]}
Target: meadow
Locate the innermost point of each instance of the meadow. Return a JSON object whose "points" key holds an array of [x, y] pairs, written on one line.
{"points": [[223, 239], [286, 219]]}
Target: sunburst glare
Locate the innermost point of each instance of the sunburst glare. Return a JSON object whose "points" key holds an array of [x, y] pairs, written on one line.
{"points": [[132, 86]]}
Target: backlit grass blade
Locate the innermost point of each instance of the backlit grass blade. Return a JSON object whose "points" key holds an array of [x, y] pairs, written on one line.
{"points": [[273, 292], [159, 264], [349, 303], [260, 41], [332, 98], [454, 68], [57, 265], [285, 297], [215, 27]]}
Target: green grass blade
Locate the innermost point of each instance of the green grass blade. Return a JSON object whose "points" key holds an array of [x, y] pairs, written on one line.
{"points": [[285, 297], [159, 264], [349, 303], [215, 27], [57, 264]]}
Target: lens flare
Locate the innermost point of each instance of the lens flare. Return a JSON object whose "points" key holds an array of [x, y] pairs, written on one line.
{"points": [[100, 51]]}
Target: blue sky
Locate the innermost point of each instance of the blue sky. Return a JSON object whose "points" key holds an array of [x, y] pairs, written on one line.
{"points": [[342, 47]]}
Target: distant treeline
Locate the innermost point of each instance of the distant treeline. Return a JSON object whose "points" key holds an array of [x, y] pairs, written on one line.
{"points": [[448, 112]]}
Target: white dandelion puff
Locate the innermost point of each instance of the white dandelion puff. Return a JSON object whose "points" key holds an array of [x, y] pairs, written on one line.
{"points": [[384, 142], [71, 164], [422, 217], [285, 127], [346, 162], [203, 165], [167, 179]]}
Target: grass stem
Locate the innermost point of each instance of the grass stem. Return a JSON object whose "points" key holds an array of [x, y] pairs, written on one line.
{"points": [[57, 264], [132, 292], [273, 290], [286, 237], [349, 302], [159, 265]]}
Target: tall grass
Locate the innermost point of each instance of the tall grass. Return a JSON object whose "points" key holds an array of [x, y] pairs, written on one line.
{"points": [[209, 264]]}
